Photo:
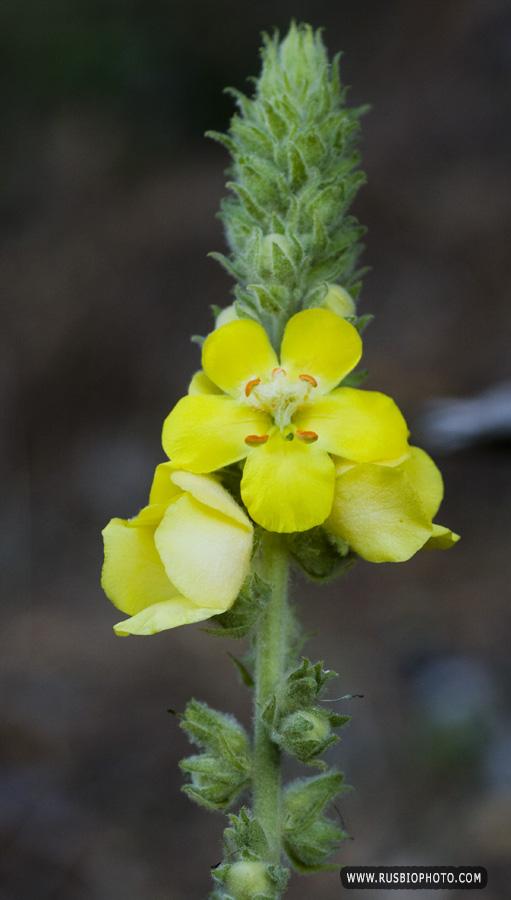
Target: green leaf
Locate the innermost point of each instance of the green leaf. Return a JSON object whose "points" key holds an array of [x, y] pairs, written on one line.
{"points": [[226, 264], [246, 676], [355, 379], [362, 322]]}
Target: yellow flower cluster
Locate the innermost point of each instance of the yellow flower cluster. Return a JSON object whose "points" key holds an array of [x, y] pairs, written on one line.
{"points": [[314, 454]]}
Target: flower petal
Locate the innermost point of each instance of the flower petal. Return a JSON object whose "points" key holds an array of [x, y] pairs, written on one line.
{"points": [[317, 342], [161, 616], [204, 433], [287, 485], [426, 479], [201, 384], [363, 426], [378, 511], [237, 352], [163, 489], [207, 553], [209, 492], [442, 538], [133, 576]]}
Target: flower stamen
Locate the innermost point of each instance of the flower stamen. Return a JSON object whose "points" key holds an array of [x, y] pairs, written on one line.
{"points": [[310, 378], [308, 437], [278, 370], [255, 440], [250, 385]]}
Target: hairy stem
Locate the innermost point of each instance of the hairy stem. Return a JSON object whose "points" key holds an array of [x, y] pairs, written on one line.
{"points": [[271, 640]]}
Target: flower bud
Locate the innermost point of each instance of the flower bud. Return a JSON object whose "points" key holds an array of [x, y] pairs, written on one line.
{"points": [[338, 301], [227, 315], [305, 733], [247, 878]]}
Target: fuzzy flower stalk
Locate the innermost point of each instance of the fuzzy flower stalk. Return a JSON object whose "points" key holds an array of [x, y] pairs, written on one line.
{"points": [[276, 456]]}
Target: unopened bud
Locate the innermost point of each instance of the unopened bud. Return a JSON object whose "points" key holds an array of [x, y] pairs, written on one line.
{"points": [[339, 301], [248, 878], [227, 315]]}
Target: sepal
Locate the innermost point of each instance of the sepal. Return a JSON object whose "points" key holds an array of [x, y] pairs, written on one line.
{"points": [[244, 613], [309, 835], [224, 769], [321, 555]]}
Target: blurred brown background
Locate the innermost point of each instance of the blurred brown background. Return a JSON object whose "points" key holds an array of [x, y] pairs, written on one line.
{"points": [[108, 197]]}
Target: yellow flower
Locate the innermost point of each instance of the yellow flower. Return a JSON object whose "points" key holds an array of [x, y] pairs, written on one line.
{"points": [[385, 510], [286, 417], [182, 559]]}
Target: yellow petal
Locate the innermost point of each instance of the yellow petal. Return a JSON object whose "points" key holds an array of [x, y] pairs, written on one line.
{"points": [[359, 425], [205, 553], [236, 353], [288, 485], [165, 615], [133, 576], [163, 489], [442, 538], [426, 479], [204, 433], [317, 342], [201, 384], [378, 511], [208, 491]]}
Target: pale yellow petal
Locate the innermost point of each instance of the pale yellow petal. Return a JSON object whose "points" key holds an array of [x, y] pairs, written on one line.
{"points": [[378, 512], [317, 342], [338, 301], [133, 576], [226, 315], [165, 615], [201, 384], [204, 433], [205, 553], [163, 489], [442, 538], [362, 426], [426, 479], [208, 491], [149, 516], [236, 353], [288, 485]]}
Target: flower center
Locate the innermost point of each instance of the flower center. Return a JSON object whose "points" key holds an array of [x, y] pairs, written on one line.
{"points": [[280, 397]]}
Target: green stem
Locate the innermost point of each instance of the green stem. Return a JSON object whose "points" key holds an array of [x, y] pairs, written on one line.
{"points": [[271, 640]]}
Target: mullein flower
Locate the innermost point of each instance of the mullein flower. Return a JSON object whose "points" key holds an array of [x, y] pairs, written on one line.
{"points": [[385, 509], [184, 557], [286, 417]]}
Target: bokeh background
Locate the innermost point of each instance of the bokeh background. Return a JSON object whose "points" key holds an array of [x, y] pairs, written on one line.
{"points": [[108, 199]]}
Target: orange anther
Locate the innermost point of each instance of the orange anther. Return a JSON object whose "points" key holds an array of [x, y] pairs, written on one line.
{"points": [[308, 437], [278, 370], [251, 384], [255, 440], [309, 378]]}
